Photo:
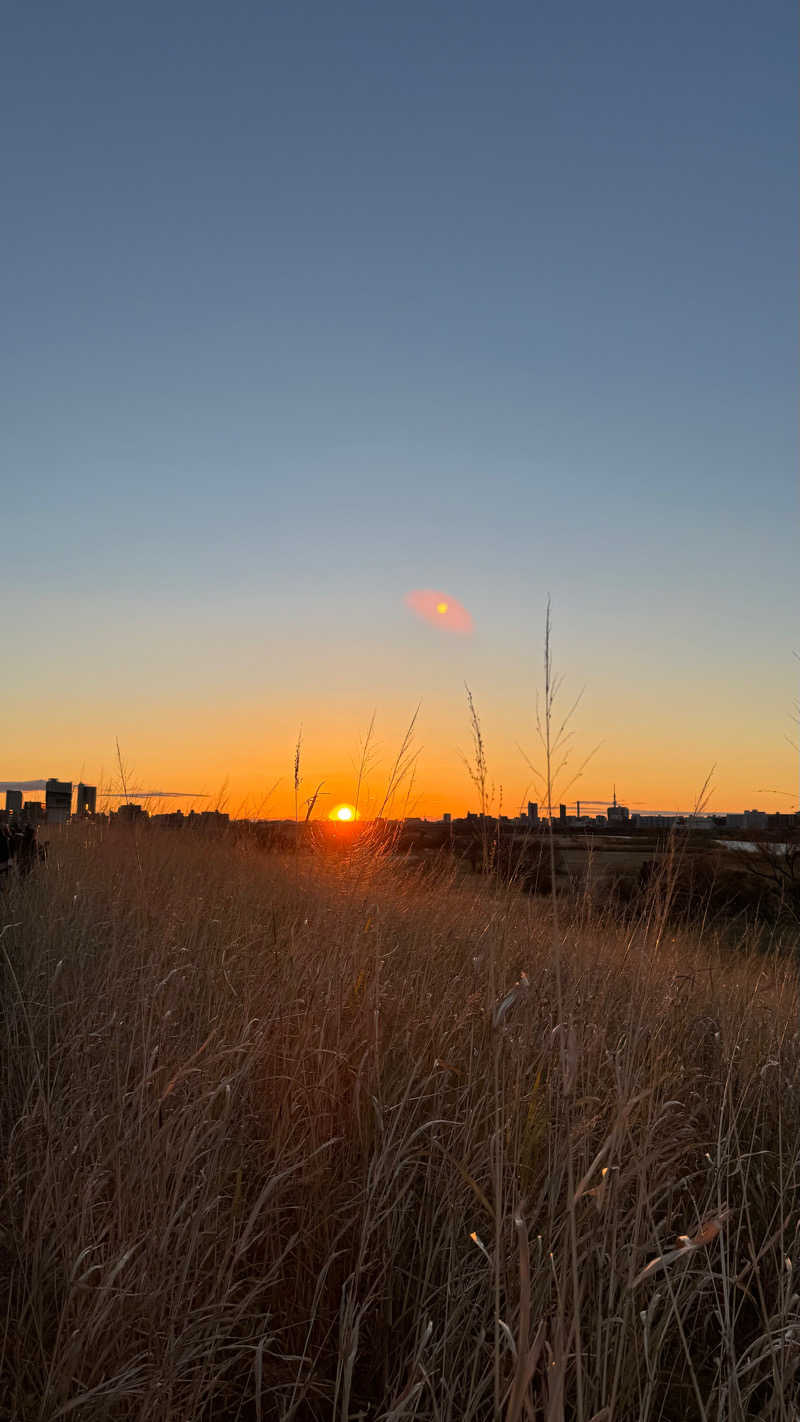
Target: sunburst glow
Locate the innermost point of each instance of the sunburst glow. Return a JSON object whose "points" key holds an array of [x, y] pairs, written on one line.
{"points": [[343, 814]]}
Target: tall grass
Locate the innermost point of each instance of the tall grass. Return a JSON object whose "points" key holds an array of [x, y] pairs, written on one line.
{"points": [[312, 1139]]}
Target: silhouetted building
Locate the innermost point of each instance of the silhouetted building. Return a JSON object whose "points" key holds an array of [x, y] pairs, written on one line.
{"points": [[14, 801], [208, 819], [58, 801], [533, 812], [86, 799], [639, 821], [562, 814], [130, 813], [33, 812], [171, 819], [618, 814], [755, 819], [447, 818]]}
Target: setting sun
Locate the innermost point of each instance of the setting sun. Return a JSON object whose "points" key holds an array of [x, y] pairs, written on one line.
{"points": [[441, 607], [343, 813]]}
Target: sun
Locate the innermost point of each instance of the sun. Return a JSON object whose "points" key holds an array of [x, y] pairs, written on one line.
{"points": [[343, 813], [441, 607]]}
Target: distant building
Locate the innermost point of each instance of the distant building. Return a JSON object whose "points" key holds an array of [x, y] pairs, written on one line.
{"points": [[562, 814], [618, 814], [86, 800], [208, 819], [172, 819], [130, 813], [33, 812], [447, 818], [13, 801], [533, 812], [755, 819], [58, 801]]}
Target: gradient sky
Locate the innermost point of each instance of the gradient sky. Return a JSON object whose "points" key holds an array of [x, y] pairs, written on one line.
{"points": [[306, 306]]}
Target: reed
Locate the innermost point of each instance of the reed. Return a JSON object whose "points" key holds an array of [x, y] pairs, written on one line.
{"points": [[306, 1138]]}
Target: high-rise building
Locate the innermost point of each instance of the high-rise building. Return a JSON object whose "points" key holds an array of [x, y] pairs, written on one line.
{"points": [[562, 814], [85, 799], [533, 812], [58, 801], [13, 801]]}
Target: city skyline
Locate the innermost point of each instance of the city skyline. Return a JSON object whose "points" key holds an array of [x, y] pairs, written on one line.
{"points": [[19, 793], [668, 773]]}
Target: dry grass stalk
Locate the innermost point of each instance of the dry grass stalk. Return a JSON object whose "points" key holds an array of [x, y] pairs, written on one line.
{"points": [[254, 1111]]}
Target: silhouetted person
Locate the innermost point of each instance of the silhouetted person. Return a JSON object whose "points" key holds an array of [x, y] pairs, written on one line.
{"points": [[27, 851], [6, 855], [19, 847]]}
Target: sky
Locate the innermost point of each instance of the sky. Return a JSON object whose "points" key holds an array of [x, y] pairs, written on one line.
{"points": [[309, 306]]}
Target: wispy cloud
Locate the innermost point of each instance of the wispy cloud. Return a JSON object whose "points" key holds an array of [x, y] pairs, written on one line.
{"points": [[112, 794], [153, 794]]}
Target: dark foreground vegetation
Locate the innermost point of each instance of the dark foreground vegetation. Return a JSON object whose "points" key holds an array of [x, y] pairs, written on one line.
{"points": [[313, 1137]]}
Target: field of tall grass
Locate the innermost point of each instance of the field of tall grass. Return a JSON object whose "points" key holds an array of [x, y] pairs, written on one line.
{"points": [[316, 1139]]}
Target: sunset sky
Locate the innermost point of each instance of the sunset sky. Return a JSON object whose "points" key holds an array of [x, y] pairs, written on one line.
{"points": [[309, 307]]}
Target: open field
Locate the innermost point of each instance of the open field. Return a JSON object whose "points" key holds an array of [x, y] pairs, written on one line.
{"points": [[315, 1138]]}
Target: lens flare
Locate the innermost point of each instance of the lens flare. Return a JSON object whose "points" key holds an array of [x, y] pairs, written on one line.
{"points": [[437, 607]]}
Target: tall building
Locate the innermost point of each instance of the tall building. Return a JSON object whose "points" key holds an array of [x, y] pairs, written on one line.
{"points": [[617, 814], [13, 801], [86, 799], [533, 812], [562, 814], [58, 801]]}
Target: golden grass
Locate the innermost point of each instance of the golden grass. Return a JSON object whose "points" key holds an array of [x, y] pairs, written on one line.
{"points": [[312, 1141]]}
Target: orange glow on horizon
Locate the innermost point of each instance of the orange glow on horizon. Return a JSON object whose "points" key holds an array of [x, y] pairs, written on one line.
{"points": [[657, 747], [343, 814]]}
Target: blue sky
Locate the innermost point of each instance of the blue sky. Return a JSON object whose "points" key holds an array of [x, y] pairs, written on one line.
{"points": [[306, 306]]}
